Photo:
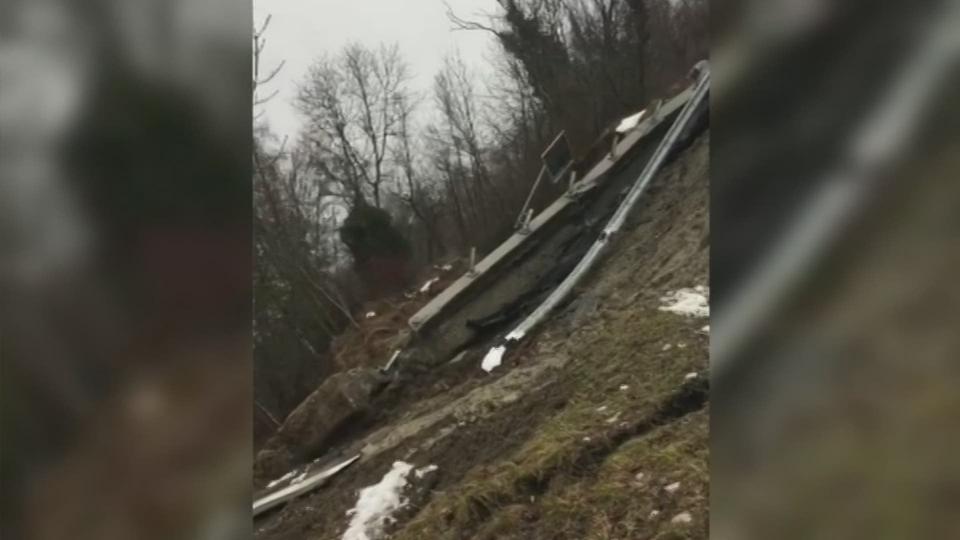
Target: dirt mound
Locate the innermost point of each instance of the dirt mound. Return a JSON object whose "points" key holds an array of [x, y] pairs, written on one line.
{"points": [[382, 324]]}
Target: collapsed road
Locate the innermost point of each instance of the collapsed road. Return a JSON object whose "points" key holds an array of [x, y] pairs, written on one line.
{"points": [[510, 283]]}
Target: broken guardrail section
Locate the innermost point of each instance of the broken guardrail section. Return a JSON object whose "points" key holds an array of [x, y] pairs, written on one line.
{"points": [[495, 355]]}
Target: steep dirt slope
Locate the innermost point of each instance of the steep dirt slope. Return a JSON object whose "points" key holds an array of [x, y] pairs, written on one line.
{"points": [[595, 428]]}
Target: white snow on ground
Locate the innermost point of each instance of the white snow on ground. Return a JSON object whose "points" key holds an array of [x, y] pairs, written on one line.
{"points": [[690, 302], [682, 517], [426, 286], [371, 314], [423, 471], [282, 479], [493, 359], [377, 504]]}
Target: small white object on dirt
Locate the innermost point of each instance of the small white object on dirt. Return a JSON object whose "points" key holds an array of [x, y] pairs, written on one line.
{"points": [[602, 409], [639, 477], [426, 286], [690, 376], [672, 487], [654, 513], [493, 359], [624, 387], [282, 479], [423, 471], [705, 329], [377, 504], [586, 439], [682, 517], [613, 418], [689, 302], [370, 314], [447, 267], [667, 347], [681, 345]]}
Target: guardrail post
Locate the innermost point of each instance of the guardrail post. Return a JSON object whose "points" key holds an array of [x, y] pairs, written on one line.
{"points": [[472, 271]]}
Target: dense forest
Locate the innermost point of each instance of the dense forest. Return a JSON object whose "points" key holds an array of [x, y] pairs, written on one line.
{"points": [[373, 191]]}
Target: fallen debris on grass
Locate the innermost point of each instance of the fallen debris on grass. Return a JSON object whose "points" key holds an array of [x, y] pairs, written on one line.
{"points": [[689, 302]]}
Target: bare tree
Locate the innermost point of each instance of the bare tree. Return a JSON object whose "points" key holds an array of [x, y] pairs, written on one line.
{"points": [[353, 104], [260, 79]]}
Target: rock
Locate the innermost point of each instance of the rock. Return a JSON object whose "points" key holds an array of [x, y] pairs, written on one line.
{"points": [[342, 398], [271, 463]]}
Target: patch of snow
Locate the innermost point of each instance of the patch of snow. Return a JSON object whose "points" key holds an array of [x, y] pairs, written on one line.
{"points": [[447, 267], [586, 439], [654, 513], [672, 487], [705, 329], [370, 314], [690, 376], [601, 409], [376, 504], [423, 471], [426, 286], [624, 387], [682, 517], [282, 479], [667, 347], [493, 359], [689, 302], [613, 418]]}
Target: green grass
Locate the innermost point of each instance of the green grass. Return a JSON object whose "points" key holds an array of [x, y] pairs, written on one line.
{"points": [[578, 446]]}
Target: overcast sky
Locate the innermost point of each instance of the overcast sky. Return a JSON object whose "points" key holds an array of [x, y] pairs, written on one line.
{"points": [[303, 29]]}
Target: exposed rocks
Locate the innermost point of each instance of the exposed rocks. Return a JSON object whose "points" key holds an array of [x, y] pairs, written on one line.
{"points": [[340, 400]]}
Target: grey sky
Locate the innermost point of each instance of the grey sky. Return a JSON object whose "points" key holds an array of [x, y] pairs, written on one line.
{"points": [[303, 29]]}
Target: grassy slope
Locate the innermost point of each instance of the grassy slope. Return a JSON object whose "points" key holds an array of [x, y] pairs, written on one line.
{"points": [[575, 477]]}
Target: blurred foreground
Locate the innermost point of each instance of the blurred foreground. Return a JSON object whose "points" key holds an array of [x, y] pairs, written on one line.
{"points": [[125, 265], [834, 261]]}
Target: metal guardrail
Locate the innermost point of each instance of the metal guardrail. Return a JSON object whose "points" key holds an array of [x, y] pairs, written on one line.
{"points": [[618, 218], [299, 488]]}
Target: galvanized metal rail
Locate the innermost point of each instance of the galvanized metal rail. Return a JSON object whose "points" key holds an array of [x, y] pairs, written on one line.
{"points": [[299, 488], [616, 221]]}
